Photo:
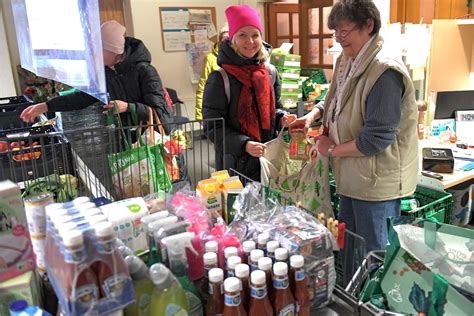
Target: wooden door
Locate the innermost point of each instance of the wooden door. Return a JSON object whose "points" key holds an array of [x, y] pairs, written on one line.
{"points": [[283, 25], [111, 10], [315, 37]]}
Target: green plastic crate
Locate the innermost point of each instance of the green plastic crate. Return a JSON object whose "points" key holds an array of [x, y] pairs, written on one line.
{"points": [[433, 204]]}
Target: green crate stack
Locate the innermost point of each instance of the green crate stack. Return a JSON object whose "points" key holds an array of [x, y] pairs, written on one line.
{"points": [[288, 66], [433, 204]]}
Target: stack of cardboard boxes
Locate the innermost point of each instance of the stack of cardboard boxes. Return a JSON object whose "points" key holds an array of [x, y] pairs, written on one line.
{"points": [[289, 70]]}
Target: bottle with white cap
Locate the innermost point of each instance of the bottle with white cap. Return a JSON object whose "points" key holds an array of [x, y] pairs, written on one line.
{"points": [[247, 246], [210, 262], [254, 256], [265, 264], [282, 298], [229, 252], [232, 300], [84, 283], [281, 255], [168, 297], [242, 271], [215, 302], [232, 262], [262, 240], [299, 285], [211, 246], [272, 245], [259, 302]]}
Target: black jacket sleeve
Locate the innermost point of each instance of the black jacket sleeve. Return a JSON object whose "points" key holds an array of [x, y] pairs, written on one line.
{"points": [[214, 105], [153, 95], [71, 102]]}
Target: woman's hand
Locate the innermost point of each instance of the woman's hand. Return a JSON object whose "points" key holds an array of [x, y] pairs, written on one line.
{"points": [[287, 119], [301, 123], [33, 111], [255, 149], [122, 106], [323, 143]]}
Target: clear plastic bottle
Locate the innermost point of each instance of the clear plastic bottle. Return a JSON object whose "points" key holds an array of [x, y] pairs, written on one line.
{"points": [[299, 285], [282, 298], [215, 302], [272, 245], [242, 272], [255, 255], [248, 246], [142, 285], [265, 264], [232, 262], [168, 298], [259, 302], [232, 300]]}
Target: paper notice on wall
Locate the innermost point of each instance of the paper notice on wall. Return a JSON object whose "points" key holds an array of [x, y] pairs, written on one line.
{"points": [[175, 41], [195, 53], [211, 30], [200, 36], [200, 16], [174, 18]]}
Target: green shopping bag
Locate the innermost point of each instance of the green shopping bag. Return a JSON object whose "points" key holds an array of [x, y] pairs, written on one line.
{"points": [[139, 169], [427, 267]]}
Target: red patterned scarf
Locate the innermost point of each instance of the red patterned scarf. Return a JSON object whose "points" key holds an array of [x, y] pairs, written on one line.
{"points": [[256, 77]]}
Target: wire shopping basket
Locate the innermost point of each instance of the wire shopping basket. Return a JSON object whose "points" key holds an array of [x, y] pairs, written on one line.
{"points": [[79, 162]]}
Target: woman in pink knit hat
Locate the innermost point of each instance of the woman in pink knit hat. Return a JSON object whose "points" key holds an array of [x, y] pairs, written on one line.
{"points": [[251, 105]]}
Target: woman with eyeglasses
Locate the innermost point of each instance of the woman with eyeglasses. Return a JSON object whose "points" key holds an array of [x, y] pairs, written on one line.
{"points": [[371, 116]]}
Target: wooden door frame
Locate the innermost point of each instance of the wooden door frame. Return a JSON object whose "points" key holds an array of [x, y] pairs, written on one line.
{"points": [[289, 8]]}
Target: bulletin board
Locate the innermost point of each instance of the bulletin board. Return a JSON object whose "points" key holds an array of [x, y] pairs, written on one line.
{"points": [[181, 25], [192, 30]]}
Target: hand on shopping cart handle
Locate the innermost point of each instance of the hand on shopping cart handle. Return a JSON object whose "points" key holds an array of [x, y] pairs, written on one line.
{"points": [[122, 106], [33, 111]]}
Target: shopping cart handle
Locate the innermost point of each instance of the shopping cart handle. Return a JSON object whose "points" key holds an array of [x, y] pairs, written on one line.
{"points": [[340, 235]]}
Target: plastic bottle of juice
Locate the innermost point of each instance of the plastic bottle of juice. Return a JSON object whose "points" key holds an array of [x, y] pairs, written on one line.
{"points": [[215, 303], [259, 303], [282, 299], [85, 290], [265, 264], [168, 298], [142, 285], [247, 246], [262, 240], [281, 255], [232, 262], [210, 262], [110, 267], [232, 300], [242, 272], [299, 285], [272, 245], [254, 256]]}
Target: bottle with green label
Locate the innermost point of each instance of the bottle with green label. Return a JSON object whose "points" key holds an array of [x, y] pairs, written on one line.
{"points": [[168, 298], [143, 287]]}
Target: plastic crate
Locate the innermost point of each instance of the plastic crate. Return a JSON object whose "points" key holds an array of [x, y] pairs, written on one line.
{"points": [[10, 110], [433, 204]]}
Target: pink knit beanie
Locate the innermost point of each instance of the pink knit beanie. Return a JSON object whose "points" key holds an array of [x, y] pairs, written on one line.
{"points": [[240, 16], [113, 39]]}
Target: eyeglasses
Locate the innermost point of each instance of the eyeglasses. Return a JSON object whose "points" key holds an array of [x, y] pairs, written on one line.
{"points": [[342, 34]]}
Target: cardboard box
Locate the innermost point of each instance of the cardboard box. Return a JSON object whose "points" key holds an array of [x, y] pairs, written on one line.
{"points": [[290, 73], [289, 100], [16, 252], [284, 60], [22, 287], [209, 192], [231, 188]]}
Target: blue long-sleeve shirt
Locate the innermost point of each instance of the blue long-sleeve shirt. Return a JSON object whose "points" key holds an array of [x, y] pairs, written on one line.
{"points": [[382, 114]]}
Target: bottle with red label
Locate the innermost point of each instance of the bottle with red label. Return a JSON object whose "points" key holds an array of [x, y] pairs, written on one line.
{"points": [[232, 300], [282, 298], [259, 303], [299, 285]]}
